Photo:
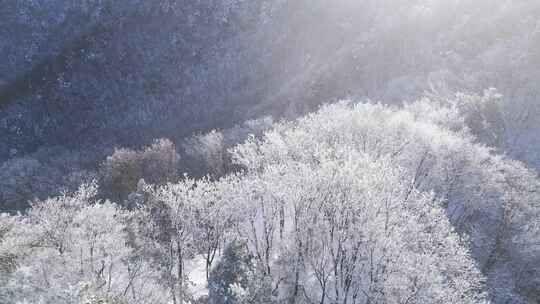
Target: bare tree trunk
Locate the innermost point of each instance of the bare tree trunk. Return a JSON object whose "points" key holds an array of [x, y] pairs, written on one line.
{"points": [[180, 272]]}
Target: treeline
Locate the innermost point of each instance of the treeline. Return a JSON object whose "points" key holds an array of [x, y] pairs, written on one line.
{"points": [[356, 203], [50, 171]]}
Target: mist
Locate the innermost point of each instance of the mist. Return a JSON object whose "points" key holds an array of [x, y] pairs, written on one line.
{"points": [[133, 100]]}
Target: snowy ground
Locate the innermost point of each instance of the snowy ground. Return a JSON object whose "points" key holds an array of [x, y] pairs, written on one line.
{"points": [[197, 276]]}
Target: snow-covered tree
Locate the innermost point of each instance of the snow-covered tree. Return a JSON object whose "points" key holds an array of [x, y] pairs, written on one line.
{"points": [[122, 171], [477, 187], [351, 231], [71, 249]]}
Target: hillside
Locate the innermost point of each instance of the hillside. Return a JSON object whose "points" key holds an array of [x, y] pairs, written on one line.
{"points": [[119, 73], [270, 152]]}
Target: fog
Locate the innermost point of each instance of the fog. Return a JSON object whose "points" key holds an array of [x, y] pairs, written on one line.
{"points": [[123, 93]]}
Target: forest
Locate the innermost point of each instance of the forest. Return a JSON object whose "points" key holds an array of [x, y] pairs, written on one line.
{"points": [[270, 152]]}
